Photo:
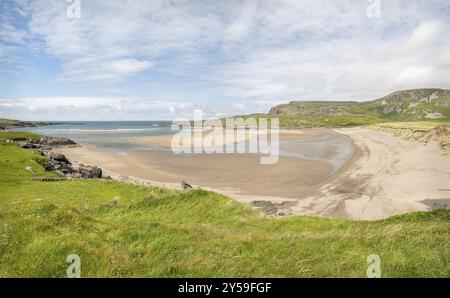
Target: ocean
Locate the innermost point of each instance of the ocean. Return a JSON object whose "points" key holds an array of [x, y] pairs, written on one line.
{"points": [[109, 135]]}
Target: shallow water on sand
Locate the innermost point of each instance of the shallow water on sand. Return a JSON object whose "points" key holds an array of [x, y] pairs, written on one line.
{"points": [[323, 145], [329, 146]]}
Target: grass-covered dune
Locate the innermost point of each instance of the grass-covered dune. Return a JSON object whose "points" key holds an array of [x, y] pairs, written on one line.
{"points": [[122, 230]]}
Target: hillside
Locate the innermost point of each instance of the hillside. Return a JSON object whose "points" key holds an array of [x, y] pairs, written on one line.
{"points": [[406, 105], [124, 230]]}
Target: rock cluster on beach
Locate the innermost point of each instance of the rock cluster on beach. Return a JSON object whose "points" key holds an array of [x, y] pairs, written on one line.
{"points": [[273, 208], [58, 162]]}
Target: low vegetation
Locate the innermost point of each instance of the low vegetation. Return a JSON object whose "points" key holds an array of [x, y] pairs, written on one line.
{"points": [[125, 230], [420, 131]]}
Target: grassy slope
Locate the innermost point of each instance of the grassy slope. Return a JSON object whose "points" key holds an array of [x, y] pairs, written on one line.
{"points": [[408, 106], [158, 232]]}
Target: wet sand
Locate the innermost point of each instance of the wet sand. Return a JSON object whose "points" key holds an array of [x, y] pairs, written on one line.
{"points": [[241, 176]]}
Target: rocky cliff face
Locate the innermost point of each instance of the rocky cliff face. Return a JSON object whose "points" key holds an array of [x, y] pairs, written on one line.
{"points": [[416, 103]]}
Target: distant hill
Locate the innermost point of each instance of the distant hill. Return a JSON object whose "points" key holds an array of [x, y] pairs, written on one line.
{"points": [[414, 104], [7, 123], [405, 105]]}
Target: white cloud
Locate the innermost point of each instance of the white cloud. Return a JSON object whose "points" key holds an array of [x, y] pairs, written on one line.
{"points": [[105, 70], [256, 52], [114, 108], [357, 67]]}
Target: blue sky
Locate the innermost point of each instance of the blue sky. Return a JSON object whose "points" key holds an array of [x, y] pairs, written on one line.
{"points": [[143, 60]]}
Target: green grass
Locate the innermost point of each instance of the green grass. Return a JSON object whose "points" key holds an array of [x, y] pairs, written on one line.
{"points": [[125, 230], [296, 121], [17, 136]]}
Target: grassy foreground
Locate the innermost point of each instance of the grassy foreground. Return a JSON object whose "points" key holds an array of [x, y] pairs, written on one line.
{"points": [[124, 230]]}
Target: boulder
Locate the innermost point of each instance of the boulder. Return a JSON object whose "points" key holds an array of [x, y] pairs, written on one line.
{"points": [[58, 162], [30, 146], [58, 157], [185, 185], [90, 172]]}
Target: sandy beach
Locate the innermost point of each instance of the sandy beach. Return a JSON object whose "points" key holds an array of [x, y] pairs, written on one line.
{"points": [[384, 175], [241, 176]]}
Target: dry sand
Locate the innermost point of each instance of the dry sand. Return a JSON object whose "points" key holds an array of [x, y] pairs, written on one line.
{"points": [[386, 176], [392, 176]]}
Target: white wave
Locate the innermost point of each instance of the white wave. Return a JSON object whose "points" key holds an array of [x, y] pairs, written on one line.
{"points": [[76, 130]]}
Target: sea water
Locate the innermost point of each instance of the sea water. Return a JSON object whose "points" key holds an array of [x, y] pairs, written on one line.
{"points": [[110, 135]]}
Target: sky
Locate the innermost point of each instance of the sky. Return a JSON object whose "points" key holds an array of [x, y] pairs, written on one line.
{"points": [[158, 60]]}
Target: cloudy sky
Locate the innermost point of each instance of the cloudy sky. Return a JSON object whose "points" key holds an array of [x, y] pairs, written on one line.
{"points": [[144, 60]]}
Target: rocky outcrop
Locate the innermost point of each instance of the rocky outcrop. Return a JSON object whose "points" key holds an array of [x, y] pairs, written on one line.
{"points": [[58, 157], [89, 172], [59, 163], [273, 208], [54, 141]]}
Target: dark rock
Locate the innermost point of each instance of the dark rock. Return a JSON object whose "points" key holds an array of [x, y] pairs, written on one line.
{"points": [[58, 157], [30, 146], [90, 172], [185, 185], [60, 164]]}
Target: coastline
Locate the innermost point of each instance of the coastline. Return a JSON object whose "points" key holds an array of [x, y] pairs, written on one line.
{"points": [[359, 190], [238, 175]]}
